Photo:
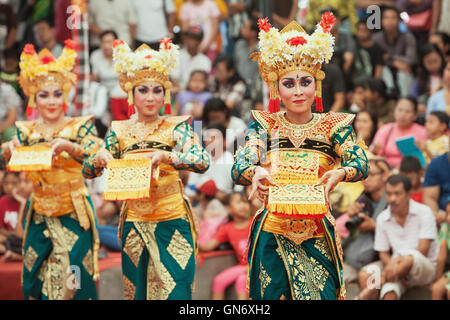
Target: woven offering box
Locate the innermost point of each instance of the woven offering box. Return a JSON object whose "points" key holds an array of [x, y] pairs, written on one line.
{"points": [[31, 158], [128, 179]]}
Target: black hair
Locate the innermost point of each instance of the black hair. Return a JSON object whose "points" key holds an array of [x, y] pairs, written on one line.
{"points": [[254, 25], [230, 65], [214, 104], [376, 85], [390, 8], [410, 164], [104, 33], [412, 100], [441, 116], [330, 9], [49, 20], [422, 72], [218, 126], [400, 178]]}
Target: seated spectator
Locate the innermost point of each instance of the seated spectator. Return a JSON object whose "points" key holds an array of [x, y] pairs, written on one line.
{"points": [[345, 48], [236, 233], [8, 26], [384, 144], [9, 208], [44, 35], [440, 101], [210, 212], [154, 21], [399, 52], [11, 107], [438, 142], [102, 70], [215, 111], [20, 194], [369, 57], [215, 138], [378, 100], [191, 58], [333, 88], [429, 75], [440, 289], [244, 47], [355, 98], [227, 84], [366, 126], [192, 100], [436, 186], [357, 225], [10, 71], [411, 167], [408, 230], [117, 15], [442, 40], [206, 15]]}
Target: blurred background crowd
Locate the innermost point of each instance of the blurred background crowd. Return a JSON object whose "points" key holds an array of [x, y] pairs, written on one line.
{"points": [[391, 67]]}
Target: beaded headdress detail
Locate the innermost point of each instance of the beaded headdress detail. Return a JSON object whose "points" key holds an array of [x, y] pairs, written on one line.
{"points": [[145, 64], [294, 49], [38, 71]]}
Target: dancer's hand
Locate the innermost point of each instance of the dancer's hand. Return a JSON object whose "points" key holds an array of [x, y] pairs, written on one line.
{"points": [[260, 187], [102, 158], [331, 179], [59, 145], [8, 147], [158, 157]]}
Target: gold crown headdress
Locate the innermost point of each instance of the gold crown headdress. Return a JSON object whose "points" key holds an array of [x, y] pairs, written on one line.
{"points": [[293, 49], [145, 64], [38, 71]]}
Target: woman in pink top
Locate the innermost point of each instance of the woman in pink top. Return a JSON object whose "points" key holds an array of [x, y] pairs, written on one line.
{"points": [[384, 142], [206, 14]]}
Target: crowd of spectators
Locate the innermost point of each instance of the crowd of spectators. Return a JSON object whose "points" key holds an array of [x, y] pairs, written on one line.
{"points": [[391, 67]]}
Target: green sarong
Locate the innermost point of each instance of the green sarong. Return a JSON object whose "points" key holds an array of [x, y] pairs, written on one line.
{"points": [[281, 269], [58, 261], [158, 260]]}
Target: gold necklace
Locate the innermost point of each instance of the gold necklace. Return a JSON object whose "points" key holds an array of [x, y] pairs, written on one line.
{"points": [[141, 130], [49, 132]]}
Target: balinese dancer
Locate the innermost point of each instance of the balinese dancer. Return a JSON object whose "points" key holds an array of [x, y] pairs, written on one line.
{"points": [[289, 159], [60, 237], [158, 234]]}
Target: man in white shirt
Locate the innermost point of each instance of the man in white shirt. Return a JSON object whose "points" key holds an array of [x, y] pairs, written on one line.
{"points": [[155, 21], [408, 230], [191, 58], [115, 15]]}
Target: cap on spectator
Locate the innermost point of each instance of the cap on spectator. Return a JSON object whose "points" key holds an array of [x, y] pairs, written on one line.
{"points": [[207, 187], [194, 32]]}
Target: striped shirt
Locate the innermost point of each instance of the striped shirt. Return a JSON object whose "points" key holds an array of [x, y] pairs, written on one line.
{"points": [[420, 224]]}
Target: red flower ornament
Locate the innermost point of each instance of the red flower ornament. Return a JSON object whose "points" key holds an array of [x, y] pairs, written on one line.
{"points": [[327, 21], [264, 24], [117, 43], [166, 42], [296, 41], [70, 44], [47, 59], [29, 49]]}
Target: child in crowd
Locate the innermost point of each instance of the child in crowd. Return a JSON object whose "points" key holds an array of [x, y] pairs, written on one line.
{"points": [[236, 233], [411, 167], [12, 212], [210, 212], [192, 100], [440, 289], [438, 141]]}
